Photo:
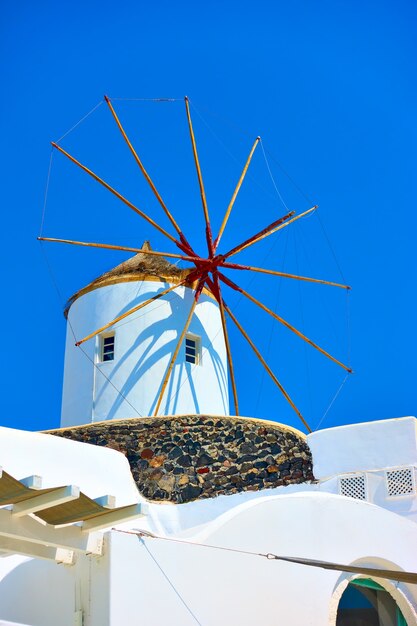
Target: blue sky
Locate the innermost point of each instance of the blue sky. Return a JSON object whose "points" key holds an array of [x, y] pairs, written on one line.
{"points": [[330, 87]]}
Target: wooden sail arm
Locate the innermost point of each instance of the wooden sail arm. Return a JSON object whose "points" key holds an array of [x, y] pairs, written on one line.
{"points": [[261, 235], [237, 266], [270, 230], [107, 246], [227, 343], [266, 366], [209, 235], [146, 175], [174, 357], [130, 312], [233, 285], [122, 198], [236, 191]]}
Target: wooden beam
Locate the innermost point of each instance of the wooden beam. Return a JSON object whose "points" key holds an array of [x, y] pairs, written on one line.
{"points": [[68, 537], [266, 366], [108, 246], [119, 516], [263, 233], [35, 550], [130, 312], [268, 232], [36, 503], [142, 167], [227, 343], [174, 357], [236, 266], [118, 195], [200, 180], [32, 482], [107, 502], [282, 321], [236, 191]]}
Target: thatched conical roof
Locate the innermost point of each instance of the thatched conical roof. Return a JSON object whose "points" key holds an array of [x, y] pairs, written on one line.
{"points": [[139, 267]]}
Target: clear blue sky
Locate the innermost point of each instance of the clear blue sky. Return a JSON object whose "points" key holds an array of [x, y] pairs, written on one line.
{"points": [[330, 87]]}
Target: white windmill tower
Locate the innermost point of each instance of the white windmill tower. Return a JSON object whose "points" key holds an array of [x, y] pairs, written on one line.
{"points": [[123, 373]]}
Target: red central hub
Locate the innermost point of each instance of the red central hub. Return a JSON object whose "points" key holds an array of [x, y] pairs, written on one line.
{"points": [[203, 267]]}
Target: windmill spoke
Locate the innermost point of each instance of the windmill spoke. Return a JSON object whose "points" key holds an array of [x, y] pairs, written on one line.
{"points": [[282, 321], [174, 357], [227, 343], [108, 246], [130, 312], [266, 366], [263, 233], [118, 195], [236, 266], [236, 191], [200, 180], [145, 173], [273, 228]]}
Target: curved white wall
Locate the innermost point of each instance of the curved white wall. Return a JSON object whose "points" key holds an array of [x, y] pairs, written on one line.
{"points": [[145, 341]]}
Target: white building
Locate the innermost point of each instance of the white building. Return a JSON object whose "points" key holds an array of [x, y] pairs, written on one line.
{"points": [[342, 547]]}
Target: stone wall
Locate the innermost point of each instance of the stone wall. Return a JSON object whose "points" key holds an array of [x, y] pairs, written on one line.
{"points": [[179, 459]]}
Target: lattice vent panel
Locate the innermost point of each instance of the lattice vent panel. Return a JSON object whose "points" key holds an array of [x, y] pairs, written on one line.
{"points": [[400, 482], [353, 486]]}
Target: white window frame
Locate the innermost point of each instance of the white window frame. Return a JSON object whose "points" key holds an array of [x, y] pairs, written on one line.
{"points": [[100, 348], [197, 341]]}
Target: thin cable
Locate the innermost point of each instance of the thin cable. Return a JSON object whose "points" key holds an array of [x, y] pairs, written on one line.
{"points": [[170, 582], [45, 198], [300, 299], [331, 247], [273, 323], [349, 338], [272, 178], [80, 121], [61, 301], [232, 124], [148, 99], [231, 155], [332, 401], [284, 171], [326, 308], [215, 135], [410, 577]]}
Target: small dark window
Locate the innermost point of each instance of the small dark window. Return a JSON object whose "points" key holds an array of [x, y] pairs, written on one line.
{"points": [[192, 349], [107, 348]]}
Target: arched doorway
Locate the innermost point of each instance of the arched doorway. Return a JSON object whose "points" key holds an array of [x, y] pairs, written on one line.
{"points": [[365, 603]]}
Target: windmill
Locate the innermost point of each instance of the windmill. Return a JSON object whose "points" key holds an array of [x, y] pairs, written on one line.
{"points": [[206, 273]]}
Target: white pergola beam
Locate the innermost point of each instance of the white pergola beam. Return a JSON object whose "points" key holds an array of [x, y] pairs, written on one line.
{"points": [[107, 502], [34, 550], [61, 495], [32, 482], [68, 537], [115, 517]]}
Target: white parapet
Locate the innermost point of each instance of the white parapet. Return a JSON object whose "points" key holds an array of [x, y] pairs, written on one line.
{"points": [[366, 446]]}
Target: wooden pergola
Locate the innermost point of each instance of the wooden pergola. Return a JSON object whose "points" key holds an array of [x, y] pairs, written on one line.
{"points": [[55, 523], [206, 272]]}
